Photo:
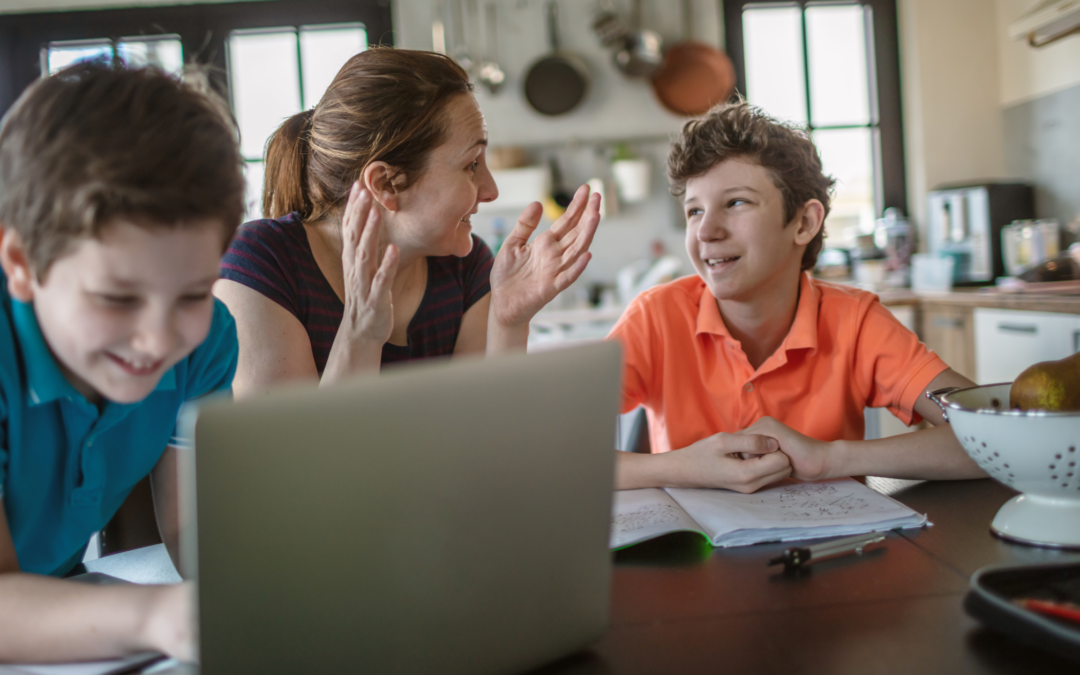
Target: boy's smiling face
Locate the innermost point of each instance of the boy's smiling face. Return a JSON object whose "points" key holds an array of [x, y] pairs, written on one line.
{"points": [[119, 311], [736, 236]]}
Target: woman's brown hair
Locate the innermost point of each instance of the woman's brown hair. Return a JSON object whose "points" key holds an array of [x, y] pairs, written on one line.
{"points": [[384, 105], [741, 130]]}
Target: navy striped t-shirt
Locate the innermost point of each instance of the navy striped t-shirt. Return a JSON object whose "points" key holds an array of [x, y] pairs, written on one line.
{"points": [[274, 258]]}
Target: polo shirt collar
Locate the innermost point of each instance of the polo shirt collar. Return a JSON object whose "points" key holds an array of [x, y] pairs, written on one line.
{"points": [[804, 329], [708, 317], [803, 332], [44, 380]]}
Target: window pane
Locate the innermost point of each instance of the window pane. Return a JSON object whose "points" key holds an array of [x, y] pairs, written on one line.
{"points": [[847, 156], [160, 51], [253, 176], [836, 44], [323, 50], [774, 62], [63, 54], [265, 81]]}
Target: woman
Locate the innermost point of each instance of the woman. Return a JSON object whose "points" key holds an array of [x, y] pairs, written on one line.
{"points": [[366, 256]]}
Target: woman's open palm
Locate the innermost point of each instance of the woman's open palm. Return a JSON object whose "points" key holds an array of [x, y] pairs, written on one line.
{"points": [[369, 310], [526, 276]]}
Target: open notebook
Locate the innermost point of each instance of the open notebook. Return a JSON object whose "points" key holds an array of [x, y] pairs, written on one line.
{"points": [[785, 511]]}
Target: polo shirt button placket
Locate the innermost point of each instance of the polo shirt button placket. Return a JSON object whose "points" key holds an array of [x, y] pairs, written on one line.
{"points": [[749, 386]]}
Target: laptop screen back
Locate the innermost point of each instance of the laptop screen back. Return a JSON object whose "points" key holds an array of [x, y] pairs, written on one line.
{"points": [[450, 517]]}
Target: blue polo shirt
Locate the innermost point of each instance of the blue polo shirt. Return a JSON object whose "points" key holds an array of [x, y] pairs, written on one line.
{"points": [[65, 467]]}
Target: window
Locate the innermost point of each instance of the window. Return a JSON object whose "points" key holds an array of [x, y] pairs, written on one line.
{"points": [[163, 51], [831, 67], [271, 59], [277, 72]]}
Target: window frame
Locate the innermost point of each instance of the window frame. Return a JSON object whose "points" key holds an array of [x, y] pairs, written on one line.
{"points": [[886, 111], [204, 30]]}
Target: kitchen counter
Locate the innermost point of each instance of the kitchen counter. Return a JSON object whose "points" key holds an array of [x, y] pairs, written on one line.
{"points": [[982, 297], [1028, 302]]}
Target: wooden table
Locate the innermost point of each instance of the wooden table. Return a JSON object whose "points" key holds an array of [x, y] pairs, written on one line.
{"points": [[680, 607]]}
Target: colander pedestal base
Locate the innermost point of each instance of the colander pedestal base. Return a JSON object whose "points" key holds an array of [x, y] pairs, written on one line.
{"points": [[1039, 521]]}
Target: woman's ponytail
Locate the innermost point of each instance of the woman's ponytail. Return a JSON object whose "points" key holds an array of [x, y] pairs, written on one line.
{"points": [[384, 104], [285, 181]]}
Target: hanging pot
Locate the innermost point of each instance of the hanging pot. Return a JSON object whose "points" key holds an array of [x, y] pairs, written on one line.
{"points": [[642, 51], [555, 84], [694, 76]]}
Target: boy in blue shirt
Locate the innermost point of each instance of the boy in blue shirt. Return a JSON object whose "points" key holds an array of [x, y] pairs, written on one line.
{"points": [[119, 191]]}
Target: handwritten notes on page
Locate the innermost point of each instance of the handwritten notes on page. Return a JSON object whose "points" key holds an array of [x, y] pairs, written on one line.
{"points": [[786, 511], [641, 515]]}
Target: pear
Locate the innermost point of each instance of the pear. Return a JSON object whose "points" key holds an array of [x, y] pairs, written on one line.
{"points": [[1050, 385]]}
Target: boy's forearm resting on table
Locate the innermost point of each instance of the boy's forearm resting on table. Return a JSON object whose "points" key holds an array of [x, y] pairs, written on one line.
{"points": [[52, 620], [930, 454]]}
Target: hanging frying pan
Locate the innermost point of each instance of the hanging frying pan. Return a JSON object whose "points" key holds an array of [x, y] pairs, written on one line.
{"points": [[694, 76], [555, 84]]}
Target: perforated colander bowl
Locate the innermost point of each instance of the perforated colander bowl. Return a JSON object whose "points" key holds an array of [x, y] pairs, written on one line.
{"points": [[1034, 452]]}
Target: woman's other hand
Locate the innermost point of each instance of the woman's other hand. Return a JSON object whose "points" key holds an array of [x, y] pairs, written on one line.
{"points": [[526, 276], [368, 319]]}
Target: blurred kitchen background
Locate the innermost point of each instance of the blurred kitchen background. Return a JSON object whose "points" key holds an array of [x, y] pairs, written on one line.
{"points": [[950, 126]]}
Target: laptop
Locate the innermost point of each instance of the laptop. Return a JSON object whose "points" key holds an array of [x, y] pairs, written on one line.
{"points": [[443, 518]]}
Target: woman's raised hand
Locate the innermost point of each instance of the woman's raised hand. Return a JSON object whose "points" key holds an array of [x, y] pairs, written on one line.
{"points": [[526, 276], [369, 309]]}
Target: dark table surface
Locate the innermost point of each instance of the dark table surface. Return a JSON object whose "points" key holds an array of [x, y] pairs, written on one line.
{"points": [[679, 606]]}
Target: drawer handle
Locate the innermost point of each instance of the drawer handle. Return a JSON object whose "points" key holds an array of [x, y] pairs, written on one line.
{"points": [[1018, 328], [947, 322]]}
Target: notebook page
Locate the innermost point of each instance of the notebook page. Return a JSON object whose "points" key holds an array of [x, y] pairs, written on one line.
{"points": [[792, 510], [122, 665], [638, 515]]}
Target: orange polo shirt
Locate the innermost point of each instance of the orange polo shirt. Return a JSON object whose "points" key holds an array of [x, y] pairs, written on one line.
{"points": [[844, 352]]}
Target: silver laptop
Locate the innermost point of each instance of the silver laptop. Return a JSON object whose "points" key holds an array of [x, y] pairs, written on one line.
{"points": [[443, 518]]}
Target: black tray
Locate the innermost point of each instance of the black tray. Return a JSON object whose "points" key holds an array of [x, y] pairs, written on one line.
{"points": [[993, 590]]}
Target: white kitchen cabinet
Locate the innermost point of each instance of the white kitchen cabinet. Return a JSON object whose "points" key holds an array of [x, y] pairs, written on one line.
{"points": [[1008, 341]]}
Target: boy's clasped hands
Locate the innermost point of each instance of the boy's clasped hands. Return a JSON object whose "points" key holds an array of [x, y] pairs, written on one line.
{"points": [[746, 461]]}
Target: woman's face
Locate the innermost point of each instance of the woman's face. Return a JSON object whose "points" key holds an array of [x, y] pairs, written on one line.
{"points": [[433, 215]]}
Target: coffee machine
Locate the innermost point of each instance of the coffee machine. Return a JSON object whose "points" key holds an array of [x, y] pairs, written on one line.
{"points": [[965, 221]]}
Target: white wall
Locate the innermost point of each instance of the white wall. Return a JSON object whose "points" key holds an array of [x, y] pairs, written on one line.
{"points": [[615, 109], [950, 75], [1027, 73]]}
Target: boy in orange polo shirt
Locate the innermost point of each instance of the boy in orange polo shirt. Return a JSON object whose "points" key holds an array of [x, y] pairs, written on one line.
{"points": [[752, 370]]}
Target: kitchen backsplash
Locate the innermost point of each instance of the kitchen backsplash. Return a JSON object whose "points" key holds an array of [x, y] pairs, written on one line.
{"points": [[1042, 146]]}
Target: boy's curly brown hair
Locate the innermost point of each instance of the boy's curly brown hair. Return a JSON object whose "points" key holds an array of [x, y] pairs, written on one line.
{"points": [[740, 130]]}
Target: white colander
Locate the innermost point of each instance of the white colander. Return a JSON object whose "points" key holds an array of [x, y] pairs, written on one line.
{"points": [[1035, 452]]}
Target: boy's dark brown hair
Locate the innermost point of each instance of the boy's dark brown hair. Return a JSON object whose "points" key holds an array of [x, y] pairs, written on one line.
{"points": [[96, 141], [384, 104], [741, 130]]}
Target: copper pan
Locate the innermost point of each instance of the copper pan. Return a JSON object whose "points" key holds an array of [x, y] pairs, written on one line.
{"points": [[694, 76]]}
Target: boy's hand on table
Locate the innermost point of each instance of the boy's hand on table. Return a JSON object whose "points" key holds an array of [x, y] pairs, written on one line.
{"points": [[169, 625], [740, 462], [810, 458]]}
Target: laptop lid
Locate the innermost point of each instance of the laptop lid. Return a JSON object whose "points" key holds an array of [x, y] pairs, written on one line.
{"points": [[450, 517]]}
